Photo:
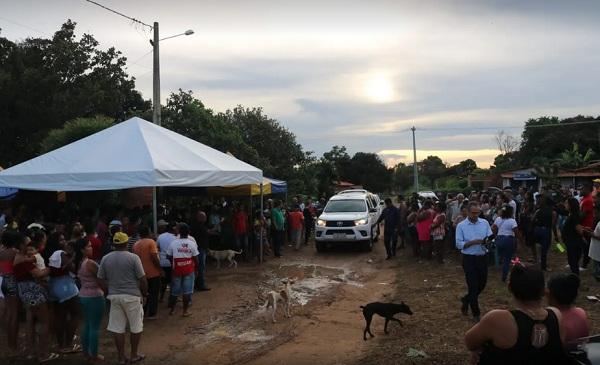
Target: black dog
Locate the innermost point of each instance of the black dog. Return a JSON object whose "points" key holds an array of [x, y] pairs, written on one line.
{"points": [[385, 310]]}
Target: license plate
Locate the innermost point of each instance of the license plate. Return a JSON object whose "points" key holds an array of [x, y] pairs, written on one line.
{"points": [[339, 236]]}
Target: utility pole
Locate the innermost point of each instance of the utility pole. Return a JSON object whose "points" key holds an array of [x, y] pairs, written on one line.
{"points": [[156, 77], [155, 112], [415, 170]]}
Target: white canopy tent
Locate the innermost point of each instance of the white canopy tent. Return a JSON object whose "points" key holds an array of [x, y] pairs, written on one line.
{"points": [[134, 153]]}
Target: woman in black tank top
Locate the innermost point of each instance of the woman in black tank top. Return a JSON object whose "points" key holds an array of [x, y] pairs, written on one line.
{"points": [[528, 335]]}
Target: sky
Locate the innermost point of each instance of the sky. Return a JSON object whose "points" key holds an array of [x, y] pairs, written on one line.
{"points": [[358, 73]]}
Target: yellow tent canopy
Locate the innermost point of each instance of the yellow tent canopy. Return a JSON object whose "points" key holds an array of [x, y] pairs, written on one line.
{"points": [[270, 186]]}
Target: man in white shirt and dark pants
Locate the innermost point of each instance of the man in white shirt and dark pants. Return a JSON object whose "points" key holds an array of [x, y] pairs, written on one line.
{"points": [[470, 235]]}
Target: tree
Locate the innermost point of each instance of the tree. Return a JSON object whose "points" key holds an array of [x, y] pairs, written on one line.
{"points": [[402, 177], [463, 168], [433, 168], [186, 115], [546, 169], [573, 159], [74, 130], [506, 162], [550, 136], [276, 146], [46, 82], [506, 143], [369, 170], [341, 161]]}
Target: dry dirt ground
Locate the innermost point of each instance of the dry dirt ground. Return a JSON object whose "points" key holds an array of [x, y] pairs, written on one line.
{"points": [[327, 323]]}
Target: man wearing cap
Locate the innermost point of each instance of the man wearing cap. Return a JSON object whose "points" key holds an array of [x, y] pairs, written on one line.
{"points": [[124, 276]]}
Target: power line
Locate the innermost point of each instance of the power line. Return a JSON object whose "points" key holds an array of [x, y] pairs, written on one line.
{"points": [[554, 125], [24, 26], [121, 14]]}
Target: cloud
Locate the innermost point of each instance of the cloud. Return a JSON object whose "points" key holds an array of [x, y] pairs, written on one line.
{"points": [[460, 70], [483, 157]]}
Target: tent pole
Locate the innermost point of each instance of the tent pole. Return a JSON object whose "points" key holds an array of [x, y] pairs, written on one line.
{"points": [[154, 211], [250, 216], [260, 258]]}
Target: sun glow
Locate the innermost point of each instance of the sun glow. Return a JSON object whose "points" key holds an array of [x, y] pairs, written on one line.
{"points": [[379, 89]]}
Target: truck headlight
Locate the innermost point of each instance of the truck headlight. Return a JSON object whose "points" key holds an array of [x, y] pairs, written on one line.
{"points": [[321, 223], [361, 222]]}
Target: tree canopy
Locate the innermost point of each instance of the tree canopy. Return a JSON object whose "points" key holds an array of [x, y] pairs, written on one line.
{"points": [[46, 82]]}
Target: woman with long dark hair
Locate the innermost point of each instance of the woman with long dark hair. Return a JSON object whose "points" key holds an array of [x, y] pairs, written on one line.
{"points": [[91, 297], [572, 234], [63, 293], [544, 219], [527, 335], [505, 227]]}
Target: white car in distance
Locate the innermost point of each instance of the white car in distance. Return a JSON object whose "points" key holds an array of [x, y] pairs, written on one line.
{"points": [[348, 217]]}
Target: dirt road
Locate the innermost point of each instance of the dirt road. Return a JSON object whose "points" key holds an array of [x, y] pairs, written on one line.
{"points": [[326, 327]]}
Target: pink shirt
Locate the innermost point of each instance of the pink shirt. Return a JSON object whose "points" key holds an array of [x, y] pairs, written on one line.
{"points": [[89, 285], [575, 324]]}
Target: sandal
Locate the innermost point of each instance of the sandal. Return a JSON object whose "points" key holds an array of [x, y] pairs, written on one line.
{"points": [[71, 350], [51, 356], [138, 358]]}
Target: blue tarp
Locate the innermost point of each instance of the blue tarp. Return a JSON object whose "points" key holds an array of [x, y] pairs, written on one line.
{"points": [[8, 193]]}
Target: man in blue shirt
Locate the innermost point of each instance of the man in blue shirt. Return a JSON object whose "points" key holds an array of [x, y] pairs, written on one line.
{"points": [[390, 228], [470, 235]]}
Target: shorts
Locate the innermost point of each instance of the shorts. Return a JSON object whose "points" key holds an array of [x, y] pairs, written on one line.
{"points": [[182, 285], [62, 288], [9, 286], [32, 294], [125, 309]]}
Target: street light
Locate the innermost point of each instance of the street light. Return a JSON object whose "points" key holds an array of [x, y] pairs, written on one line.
{"points": [[156, 71], [156, 97]]}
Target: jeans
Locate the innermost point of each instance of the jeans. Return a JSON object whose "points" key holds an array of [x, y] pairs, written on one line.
{"points": [[200, 273], [574, 250], [586, 251], [476, 271], [543, 236], [241, 243], [309, 226], [277, 242], [506, 248], [93, 311], [390, 240], [296, 237], [182, 285], [153, 291]]}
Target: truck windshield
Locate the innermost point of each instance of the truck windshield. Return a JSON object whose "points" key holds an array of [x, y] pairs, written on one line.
{"points": [[342, 206]]}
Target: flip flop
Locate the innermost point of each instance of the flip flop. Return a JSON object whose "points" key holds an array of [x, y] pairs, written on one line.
{"points": [[139, 358], [52, 356], [72, 350], [186, 314]]}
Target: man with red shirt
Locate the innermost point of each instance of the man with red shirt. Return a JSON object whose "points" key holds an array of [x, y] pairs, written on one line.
{"points": [[297, 226], [587, 219], [240, 229], [183, 253]]}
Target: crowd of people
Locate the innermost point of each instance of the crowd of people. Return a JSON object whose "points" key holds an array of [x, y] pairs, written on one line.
{"points": [[63, 275], [502, 224]]}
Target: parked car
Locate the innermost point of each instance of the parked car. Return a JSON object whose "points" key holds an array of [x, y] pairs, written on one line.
{"points": [[349, 217]]}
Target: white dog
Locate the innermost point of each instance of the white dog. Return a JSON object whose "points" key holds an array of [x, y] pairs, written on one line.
{"points": [[284, 295], [228, 255]]}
